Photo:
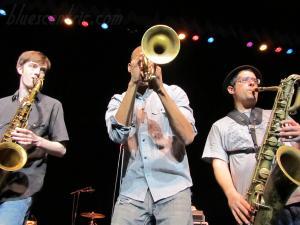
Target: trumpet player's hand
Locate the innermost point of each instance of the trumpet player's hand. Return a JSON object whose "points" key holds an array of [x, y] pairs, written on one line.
{"points": [[135, 70], [240, 208], [156, 83], [290, 131], [26, 138]]}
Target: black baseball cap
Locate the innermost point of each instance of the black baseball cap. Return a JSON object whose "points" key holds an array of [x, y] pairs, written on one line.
{"points": [[233, 73]]}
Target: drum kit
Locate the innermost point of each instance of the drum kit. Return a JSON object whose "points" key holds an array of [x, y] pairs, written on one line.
{"points": [[198, 216], [92, 216]]}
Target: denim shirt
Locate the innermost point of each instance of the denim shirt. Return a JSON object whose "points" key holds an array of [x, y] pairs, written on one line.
{"points": [[157, 158]]}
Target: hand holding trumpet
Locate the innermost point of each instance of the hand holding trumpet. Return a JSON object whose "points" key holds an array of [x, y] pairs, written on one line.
{"points": [[145, 73], [160, 45]]}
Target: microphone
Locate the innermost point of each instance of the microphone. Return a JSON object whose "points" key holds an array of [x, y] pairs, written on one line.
{"points": [[86, 189]]}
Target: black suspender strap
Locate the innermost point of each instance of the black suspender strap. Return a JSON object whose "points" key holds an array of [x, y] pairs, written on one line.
{"points": [[242, 151], [241, 118]]}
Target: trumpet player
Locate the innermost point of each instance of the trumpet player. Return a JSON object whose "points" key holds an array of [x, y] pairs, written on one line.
{"points": [[45, 134], [231, 145], [155, 122]]}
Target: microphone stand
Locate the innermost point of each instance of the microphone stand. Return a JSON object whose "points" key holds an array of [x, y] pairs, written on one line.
{"points": [[76, 195]]}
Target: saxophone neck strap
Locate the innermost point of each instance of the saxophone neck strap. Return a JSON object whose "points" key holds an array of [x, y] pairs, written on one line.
{"points": [[243, 119]]}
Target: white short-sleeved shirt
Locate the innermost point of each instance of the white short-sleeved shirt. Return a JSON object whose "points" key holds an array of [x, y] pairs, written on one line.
{"points": [[225, 136]]}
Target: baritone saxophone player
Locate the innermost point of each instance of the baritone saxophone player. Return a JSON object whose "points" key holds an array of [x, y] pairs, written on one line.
{"points": [[230, 146]]}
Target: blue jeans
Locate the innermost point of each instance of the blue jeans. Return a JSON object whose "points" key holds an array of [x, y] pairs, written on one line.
{"points": [[14, 212], [169, 211], [290, 215]]}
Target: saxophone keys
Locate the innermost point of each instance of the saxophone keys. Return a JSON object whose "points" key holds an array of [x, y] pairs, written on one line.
{"points": [[259, 188], [272, 141], [269, 154], [280, 114], [264, 173]]}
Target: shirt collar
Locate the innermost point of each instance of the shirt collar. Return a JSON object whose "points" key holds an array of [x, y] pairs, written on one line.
{"points": [[16, 96], [147, 93]]}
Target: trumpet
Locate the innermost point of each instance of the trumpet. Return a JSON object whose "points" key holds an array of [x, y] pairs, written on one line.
{"points": [[160, 45]]}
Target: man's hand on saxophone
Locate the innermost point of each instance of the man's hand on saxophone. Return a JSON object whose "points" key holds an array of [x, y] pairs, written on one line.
{"points": [[29, 139], [26, 138], [239, 207], [290, 132]]}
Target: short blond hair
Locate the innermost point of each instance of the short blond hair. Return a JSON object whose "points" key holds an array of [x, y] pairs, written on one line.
{"points": [[34, 56]]}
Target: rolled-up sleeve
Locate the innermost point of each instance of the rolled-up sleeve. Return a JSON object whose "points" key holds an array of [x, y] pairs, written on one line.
{"points": [[183, 102], [116, 131]]}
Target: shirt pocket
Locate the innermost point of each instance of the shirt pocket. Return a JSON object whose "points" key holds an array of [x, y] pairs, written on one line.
{"points": [[158, 115], [158, 111], [38, 128]]}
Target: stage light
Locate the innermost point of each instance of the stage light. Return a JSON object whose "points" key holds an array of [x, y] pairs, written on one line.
{"points": [[181, 36], [195, 37], [210, 40], [2, 12], [289, 51], [278, 50], [51, 19], [68, 21], [249, 44], [263, 47], [85, 23], [104, 26]]}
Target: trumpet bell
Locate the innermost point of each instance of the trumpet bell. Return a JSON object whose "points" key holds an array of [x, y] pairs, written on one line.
{"points": [[160, 44]]}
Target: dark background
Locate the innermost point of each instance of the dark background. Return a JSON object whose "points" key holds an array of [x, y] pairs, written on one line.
{"points": [[90, 65]]}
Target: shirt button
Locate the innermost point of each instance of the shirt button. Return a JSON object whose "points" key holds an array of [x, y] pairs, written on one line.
{"points": [[145, 157], [143, 140]]}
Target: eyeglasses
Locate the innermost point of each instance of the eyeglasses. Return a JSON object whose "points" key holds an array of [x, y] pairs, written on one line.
{"points": [[248, 79]]}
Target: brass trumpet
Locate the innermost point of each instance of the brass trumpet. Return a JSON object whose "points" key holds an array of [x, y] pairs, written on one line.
{"points": [[160, 45]]}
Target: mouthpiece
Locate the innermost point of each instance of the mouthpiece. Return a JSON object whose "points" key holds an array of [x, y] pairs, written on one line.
{"points": [[271, 88]]}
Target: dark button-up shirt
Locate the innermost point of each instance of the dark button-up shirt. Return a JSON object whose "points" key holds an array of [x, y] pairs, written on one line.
{"points": [[46, 119]]}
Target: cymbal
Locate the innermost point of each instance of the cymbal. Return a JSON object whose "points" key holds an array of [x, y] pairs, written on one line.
{"points": [[92, 215]]}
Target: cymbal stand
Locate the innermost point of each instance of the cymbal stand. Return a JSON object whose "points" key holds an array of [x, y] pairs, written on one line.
{"points": [[76, 195], [92, 222]]}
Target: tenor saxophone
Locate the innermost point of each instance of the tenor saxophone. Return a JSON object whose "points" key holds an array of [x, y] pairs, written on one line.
{"points": [[13, 156], [273, 183]]}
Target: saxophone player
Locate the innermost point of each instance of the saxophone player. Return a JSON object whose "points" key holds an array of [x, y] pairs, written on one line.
{"points": [[45, 134], [234, 139]]}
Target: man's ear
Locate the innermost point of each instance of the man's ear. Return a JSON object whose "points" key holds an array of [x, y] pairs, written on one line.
{"points": [[129, 67], [230, 89], [20, 70]]}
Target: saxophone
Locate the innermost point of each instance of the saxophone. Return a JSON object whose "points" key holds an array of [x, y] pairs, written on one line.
{"points": [[271, 187], [12, 155]]}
